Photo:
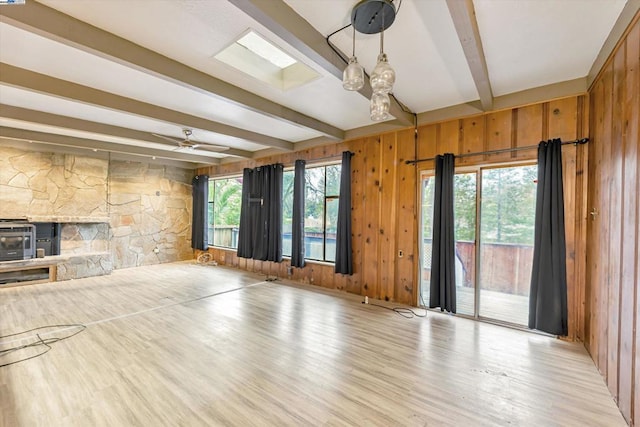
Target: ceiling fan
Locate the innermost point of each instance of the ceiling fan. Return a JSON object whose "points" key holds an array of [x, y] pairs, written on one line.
{"points": [[187, 144]]}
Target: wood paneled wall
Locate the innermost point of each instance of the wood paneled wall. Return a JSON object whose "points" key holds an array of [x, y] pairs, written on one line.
{"points": [[612, 280], [385, 195]]}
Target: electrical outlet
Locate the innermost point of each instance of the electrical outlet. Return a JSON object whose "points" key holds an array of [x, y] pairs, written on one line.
{"points": [[289, 270]]}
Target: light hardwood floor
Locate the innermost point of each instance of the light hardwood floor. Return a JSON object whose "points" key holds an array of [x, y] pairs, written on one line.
{"points": [[161, 349]]}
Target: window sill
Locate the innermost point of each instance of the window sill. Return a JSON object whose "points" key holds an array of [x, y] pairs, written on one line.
{"points": [[284, 257], [318, 262], [223, 248]]}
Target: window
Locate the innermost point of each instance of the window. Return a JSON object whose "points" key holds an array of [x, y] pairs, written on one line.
{"points": [[287, 211], [225, 200], [322, 189]]}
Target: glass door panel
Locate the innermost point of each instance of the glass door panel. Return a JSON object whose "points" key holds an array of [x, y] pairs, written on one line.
{"points": [[507, 218], [465, 232], [426, 232], [464, 199]]}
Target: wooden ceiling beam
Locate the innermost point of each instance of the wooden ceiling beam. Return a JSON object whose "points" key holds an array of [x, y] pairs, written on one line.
{"points": [[464, 19], [36, 82], [65, 122], [283, 21], [55, 25], [95, 145]]}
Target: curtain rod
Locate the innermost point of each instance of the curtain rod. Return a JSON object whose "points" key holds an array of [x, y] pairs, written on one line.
{"points": [[332, 157], [503, 150]]}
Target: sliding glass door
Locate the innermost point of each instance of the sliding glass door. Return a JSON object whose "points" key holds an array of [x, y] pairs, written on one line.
{"points": [[494, 227], [507, 213]]}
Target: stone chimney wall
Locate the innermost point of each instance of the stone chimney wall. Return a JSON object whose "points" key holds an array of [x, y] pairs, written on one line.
{"points": [[120, 213]]}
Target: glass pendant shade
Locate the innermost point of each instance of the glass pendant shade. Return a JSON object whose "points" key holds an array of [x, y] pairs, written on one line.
{"points": [[353, 75], [379, 106], [382, 77]]}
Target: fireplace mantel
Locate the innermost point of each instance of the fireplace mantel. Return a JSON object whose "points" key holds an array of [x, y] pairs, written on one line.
{"points": [[68, 219]]}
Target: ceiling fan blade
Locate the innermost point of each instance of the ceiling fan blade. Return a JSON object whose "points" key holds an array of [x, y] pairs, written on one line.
{"points": [[212, 148], [167, 138]]}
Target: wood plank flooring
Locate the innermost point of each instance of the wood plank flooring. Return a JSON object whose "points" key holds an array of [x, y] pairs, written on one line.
{"points": [[190, 345]]}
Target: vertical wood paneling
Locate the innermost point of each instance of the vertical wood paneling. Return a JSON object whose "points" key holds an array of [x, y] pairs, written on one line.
{"points": [[371, 216], [327, 276], [472, 139], [603, 219], [406, 220], [562, 122], [498, 135], [580, 219], [594, 276], [629, 216], [427, 146], [631, 306], [529, 131], [569, 154], [612, 288], [448, 136], [316, 274], [339, 280], [615, 222], [387, 212], [562, 116], [353, 283], [581, 214]]}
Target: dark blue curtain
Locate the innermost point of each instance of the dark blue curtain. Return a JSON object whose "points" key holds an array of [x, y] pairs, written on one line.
{"points": [[344, 252], [245, 239], [273, 208], [548, 292], [443, 280], [297, 226], [200, 193], [260, 234]]}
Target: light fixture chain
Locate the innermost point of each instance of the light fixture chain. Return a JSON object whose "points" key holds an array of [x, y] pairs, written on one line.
{"points": [[354, 41], [382, 32]]}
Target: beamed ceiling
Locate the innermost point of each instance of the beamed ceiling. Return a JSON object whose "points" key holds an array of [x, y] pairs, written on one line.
{"points": [[118, 76]]}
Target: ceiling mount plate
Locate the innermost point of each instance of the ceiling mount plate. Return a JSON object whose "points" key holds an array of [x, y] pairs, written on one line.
{"points": [[372, 16]]}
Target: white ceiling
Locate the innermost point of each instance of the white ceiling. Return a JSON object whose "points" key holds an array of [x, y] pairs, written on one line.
{"points": [[527, 44]]}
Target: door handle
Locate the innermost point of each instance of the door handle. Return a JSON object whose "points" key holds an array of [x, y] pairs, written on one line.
{"points": [[593, 213]]}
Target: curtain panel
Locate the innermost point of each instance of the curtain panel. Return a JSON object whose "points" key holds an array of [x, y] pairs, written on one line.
{"points": [[200, 193], [443, 281], [297, 226], [548, 292], [344, 251], [260, 233]]}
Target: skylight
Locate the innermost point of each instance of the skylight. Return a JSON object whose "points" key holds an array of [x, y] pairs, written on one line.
{"points": [[266, 50], [256, 56]]}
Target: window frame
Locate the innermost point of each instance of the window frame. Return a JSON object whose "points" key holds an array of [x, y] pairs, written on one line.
{"points": [[325, 201], [211, 208]]}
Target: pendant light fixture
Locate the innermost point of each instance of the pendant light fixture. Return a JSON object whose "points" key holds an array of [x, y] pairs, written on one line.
{"points": [[372, 17], [383, 76], [379, 106], [353, 75]]}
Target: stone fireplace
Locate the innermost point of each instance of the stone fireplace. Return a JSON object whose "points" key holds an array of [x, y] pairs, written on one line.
{"points": [[106, 213]]}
